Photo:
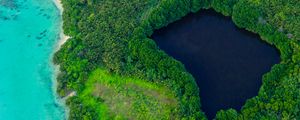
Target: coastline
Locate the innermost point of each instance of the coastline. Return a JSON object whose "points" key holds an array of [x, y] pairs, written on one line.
{"points": [[61, 40]]}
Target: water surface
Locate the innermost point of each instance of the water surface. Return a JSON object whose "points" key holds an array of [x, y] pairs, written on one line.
{"points": [[28, 34], [227, 62]]}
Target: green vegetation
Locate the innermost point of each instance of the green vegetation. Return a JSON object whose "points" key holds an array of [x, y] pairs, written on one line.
{"points": [[112, 34], [117, 97]]}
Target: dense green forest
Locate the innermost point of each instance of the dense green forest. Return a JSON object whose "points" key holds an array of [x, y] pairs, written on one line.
{"points": [[112, 37]]}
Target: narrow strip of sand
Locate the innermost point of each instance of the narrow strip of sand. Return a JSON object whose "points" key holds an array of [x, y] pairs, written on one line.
{"points": [[59, 5], [63, 37]]}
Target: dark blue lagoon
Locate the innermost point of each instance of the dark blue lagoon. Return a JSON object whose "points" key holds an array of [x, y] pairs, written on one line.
{"points": [[227, 62]]}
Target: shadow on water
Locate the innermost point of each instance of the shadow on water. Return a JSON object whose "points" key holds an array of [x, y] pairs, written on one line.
{"points": [[227, 62], [8, 3]]}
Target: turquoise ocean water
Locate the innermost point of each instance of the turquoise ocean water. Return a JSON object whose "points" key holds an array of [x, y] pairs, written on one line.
{"points": [[29, 31]]}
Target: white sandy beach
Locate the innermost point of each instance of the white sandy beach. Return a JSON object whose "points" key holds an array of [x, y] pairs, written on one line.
{"points": [[63, 37], [62, 40], [59, 5]]}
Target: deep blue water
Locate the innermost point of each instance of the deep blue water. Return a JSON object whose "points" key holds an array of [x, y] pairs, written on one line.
{"points": [[228, 63], [29, 31]]}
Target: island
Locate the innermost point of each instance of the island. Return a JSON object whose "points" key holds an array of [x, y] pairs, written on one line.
{"points": [[111, 68]]}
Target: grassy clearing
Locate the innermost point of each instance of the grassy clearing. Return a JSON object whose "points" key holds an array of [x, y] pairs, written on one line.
{"points": [[119, 97]]}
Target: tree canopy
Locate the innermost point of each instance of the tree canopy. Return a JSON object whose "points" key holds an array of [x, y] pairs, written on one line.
{"points": [[113, 34]]}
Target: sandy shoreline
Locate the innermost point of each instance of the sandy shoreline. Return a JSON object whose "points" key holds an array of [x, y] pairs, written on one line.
{"points": [[63, 38], [58, 5]]}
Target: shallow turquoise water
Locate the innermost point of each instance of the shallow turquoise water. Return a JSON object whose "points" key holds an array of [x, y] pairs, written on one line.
{"points": [[29, 31]]}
